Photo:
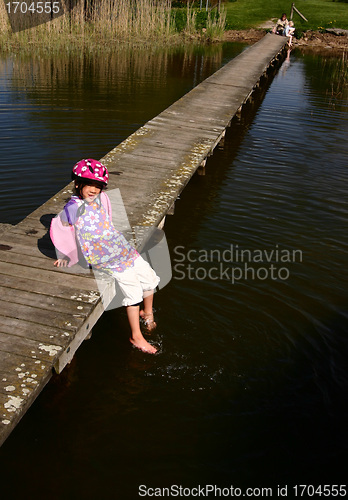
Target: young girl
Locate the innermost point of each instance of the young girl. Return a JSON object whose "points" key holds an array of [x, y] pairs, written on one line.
{"points": [[284, 26], [86, 218]]}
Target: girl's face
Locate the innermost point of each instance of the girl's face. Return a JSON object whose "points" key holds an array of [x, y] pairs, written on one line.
{"points": [[90, 192]]}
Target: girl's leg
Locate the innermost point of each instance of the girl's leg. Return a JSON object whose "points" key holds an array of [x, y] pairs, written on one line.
{"points": [[137, 338], [147, 312], [148, 302]]}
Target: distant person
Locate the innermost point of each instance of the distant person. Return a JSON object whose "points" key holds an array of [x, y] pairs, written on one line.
{"points": [[284, 27], [85, 223]]}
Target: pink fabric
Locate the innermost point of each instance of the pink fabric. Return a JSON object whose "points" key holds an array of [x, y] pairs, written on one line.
{"points": [[106, 202], [63, 237]]}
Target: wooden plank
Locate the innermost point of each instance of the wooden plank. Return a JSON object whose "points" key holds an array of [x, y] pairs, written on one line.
{"points": [[154, 152], [32, 228], [136, 173], [4, 227], [58, 291], [27, 376], [184, 136], [21, 366], [35, 316], [84, 332], [194, 123], [22, 244], [30, 348], [61, 276], [41, 333], [46, 302]]}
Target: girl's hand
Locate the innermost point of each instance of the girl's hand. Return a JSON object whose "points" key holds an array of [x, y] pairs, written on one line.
{"points": [[61, 263]]}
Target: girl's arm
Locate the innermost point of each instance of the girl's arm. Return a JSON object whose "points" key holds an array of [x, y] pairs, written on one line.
{"points": [[63, 236], [62, 260], [69, 215]]}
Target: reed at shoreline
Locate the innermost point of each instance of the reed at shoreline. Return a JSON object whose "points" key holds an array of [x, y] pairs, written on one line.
{"points": [[100, 23]]}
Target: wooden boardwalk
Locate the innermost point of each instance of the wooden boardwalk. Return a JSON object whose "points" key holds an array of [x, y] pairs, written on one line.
{"points": [[47, 312]]}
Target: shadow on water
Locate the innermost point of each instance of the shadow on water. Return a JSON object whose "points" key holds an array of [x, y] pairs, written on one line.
{"points": [[250, 385]]}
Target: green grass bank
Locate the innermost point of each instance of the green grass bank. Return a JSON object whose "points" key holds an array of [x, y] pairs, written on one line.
{"points": [[321, 14]]}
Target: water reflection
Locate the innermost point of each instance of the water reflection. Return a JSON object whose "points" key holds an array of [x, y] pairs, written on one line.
{"points": [[329, 75]]}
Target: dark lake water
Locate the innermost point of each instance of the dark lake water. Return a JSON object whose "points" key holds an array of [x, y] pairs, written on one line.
{"points": [[250, 386]]}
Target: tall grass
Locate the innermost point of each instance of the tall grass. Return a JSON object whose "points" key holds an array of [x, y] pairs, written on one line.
{"points": [[190, 27], [216, 25], [124, 19], [97, 22], [103, 21]]}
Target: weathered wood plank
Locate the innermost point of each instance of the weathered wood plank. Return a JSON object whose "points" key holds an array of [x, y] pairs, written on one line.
{"points": [[23, 244], [35, 315], [4, 227], [169, 120], [60, 276], [71, 294], [36, 263], [13, 363], [45, 302], [17, 344], [22, 378], [41, 333], [33, 229]]}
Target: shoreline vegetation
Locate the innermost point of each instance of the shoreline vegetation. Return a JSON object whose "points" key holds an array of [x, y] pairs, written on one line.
{"points": [[99, 24], [105, 24]]}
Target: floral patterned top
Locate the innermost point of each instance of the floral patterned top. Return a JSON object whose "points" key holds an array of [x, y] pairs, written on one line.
{"points": [[101, 244]]}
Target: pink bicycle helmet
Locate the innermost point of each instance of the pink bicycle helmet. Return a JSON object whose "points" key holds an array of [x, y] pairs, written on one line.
{"points": [[92, 170]]}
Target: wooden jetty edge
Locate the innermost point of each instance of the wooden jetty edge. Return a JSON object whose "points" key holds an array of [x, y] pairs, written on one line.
{"points": [[46, 312]]}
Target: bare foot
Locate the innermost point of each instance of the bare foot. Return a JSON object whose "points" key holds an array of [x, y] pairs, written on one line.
{"points": [[148, 320], [143, 345]]}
